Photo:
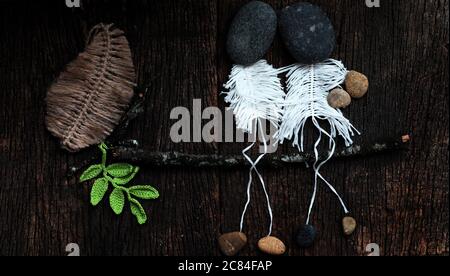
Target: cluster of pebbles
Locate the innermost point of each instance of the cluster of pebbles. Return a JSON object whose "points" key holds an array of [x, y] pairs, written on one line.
{"points": [[356, 85]]}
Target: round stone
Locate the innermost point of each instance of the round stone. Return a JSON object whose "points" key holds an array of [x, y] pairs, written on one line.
{"points": [[251, 33], [349, 225], [306, 236], [231, 243], [272, 246], [339, 98], [356, 84], [307, 32]]}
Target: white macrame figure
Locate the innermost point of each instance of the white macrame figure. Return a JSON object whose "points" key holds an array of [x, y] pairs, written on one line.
{"points": [[308, 87], [255, 94]]}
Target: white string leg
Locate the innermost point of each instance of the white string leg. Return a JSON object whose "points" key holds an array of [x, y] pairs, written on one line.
{"points": [[316, 174], [331, 154], [249, 185], [253, 168], [269, 207], [318, 167]]}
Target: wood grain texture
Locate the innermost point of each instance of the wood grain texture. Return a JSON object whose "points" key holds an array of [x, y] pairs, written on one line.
{"points": [[400, 200]]}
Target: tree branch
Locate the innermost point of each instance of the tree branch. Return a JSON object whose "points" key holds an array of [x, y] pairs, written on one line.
{"points": [[176, 159]]}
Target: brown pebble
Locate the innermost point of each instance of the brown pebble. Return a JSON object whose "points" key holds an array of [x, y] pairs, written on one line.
{"points": [[406, 138], [356, 84], [230, 244], [349, 225], [339, 98], [272, 246]]}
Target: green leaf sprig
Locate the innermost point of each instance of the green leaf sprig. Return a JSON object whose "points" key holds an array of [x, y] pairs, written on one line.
{"points": [[118, 175]]}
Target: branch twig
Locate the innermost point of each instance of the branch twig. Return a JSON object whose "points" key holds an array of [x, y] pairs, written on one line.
{"points": [[176, 159], [135, 110]]}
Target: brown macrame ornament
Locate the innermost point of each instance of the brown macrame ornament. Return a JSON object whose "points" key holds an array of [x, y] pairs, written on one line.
{"points": [[89, 98]]}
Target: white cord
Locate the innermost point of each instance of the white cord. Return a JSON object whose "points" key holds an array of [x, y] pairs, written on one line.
{"points": [[317, 170], [249, 185], [253, 168]]}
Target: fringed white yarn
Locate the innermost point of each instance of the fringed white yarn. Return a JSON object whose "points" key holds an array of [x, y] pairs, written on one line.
{"points": [[255, 93], [308, 88]]}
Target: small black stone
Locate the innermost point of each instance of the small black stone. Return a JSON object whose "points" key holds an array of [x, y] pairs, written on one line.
{"points": [[307, 32], [306, 236], [251, 33]]}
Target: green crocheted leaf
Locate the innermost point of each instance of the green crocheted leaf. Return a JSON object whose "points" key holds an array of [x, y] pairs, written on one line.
{"points": [[91, 173], [138, 211], [117, 201], [125, 180], [118, 175], [98, 191], [144, 192], [120, 170]]}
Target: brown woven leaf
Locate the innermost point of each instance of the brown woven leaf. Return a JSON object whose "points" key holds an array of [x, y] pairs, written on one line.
{"points": [[89, 98]]}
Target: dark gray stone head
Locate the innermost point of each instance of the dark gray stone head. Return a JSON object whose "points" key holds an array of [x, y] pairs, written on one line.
{"points": [[307, 32], [251, 33]]}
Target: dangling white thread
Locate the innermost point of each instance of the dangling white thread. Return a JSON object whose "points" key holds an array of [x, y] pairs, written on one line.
{"points": [[254, 168], [317, 168], [249, 185], [255, 93], [269, 207], [308, 88]]}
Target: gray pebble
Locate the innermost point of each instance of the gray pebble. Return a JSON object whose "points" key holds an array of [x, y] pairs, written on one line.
{"points": [[339, 98], [307, 32], [251, 33]]}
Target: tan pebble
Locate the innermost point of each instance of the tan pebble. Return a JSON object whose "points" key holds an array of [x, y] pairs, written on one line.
{"points": [[349, 225], [406, 138], [230, 244], [356, 84], [272, 246], [339, 98]]}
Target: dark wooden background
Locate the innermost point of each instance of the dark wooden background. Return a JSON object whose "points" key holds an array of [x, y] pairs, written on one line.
{"points": [[400, 199]]}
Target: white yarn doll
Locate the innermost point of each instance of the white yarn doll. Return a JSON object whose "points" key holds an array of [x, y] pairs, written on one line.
{"points": [[255, 95], [314, 94]]}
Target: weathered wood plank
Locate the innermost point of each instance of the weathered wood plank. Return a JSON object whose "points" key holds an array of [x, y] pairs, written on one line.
{"points": [[400, 200]]}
